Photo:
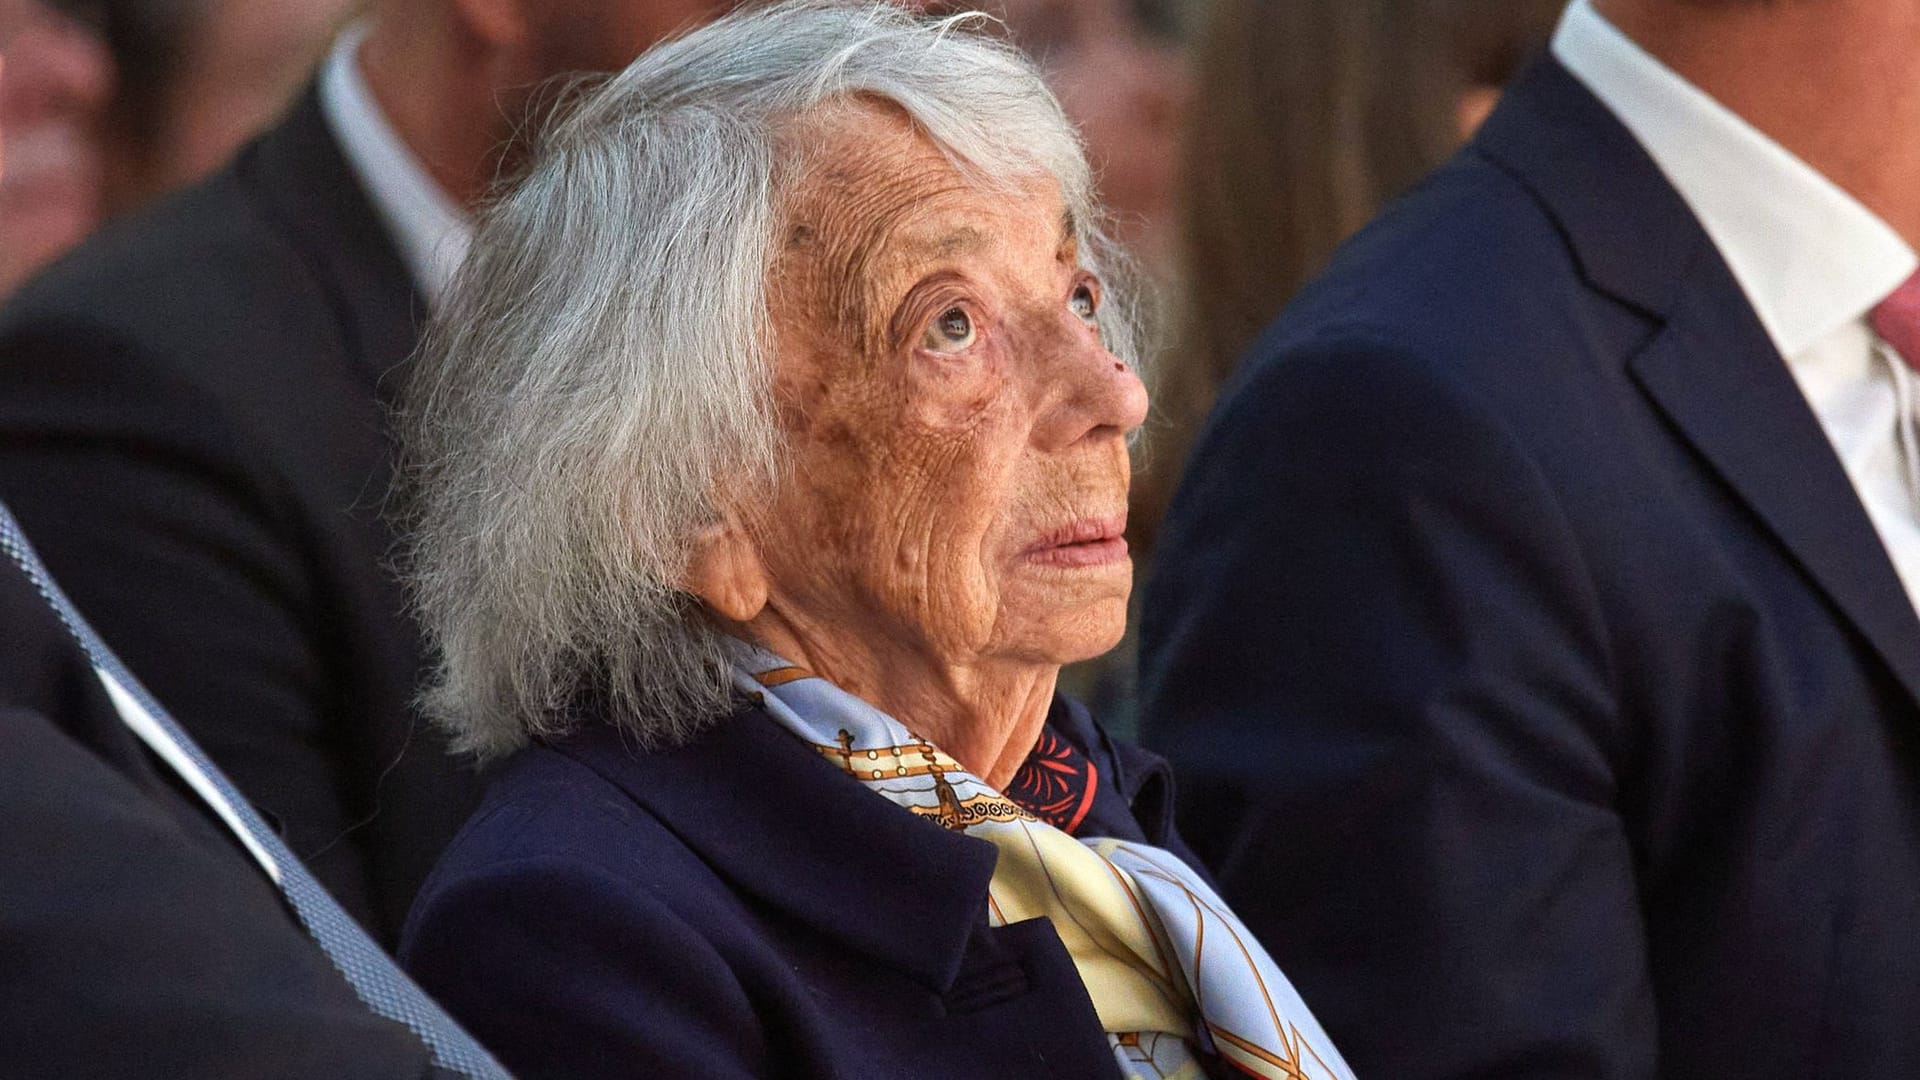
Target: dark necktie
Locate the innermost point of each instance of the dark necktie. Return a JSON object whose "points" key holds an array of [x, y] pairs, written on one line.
{"points": [[373, 976]]}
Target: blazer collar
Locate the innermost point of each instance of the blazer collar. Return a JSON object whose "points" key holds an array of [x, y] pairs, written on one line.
{"points": [[1631, 233], [782, 824], [308, 191], [1709, 365]]}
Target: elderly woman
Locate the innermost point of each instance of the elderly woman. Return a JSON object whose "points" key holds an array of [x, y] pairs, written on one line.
{"points": [[768, 462]]}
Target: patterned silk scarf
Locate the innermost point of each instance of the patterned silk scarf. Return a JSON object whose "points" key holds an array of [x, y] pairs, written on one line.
{"points": [[1173, 974]]}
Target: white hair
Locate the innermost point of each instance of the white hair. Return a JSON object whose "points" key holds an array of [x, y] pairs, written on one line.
{"points": [[600, 369]]}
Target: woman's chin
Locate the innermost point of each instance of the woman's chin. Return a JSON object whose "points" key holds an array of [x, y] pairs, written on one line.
{"points": [[1068, 634]]}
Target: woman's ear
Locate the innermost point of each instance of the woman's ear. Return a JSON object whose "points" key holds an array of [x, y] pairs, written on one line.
{"points": [[727, 574]]}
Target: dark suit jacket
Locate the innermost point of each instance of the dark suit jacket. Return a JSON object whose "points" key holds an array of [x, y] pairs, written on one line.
{"points": [[739, 907], [1545, 699], [191, 425], [137, 938]]}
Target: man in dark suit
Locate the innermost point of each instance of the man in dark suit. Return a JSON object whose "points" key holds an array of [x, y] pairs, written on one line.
{"points": [[192, 420], [1535, 634], [140, 924]]}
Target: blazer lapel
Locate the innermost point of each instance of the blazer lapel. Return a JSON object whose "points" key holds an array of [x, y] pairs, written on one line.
{"points": [[1709, 368], [1714, 373], [769, 814]]}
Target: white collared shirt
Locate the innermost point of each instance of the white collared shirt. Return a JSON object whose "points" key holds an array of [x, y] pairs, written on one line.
{"points": [[1811, 259], [431, 230]]}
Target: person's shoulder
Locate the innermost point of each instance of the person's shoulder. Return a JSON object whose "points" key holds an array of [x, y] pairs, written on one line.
{"points": [[545, 802], [194, 305], [209, 293], [567, 926], [548, 816], [554, 836], [203, 324], [1468, 270], [190, 258], [1464, 298]]}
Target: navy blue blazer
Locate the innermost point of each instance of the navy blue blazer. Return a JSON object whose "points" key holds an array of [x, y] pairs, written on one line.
{"points": [[1546, 701], [740, 907]]}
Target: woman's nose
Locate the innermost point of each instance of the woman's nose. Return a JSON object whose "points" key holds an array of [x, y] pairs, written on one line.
{"points": [[1129, 395], [1097, 395]]}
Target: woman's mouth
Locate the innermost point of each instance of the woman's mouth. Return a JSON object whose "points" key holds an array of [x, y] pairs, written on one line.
{"points": [[1084, 542]]}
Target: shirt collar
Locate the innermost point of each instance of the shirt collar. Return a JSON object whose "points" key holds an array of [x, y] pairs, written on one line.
{"points": [[430, 229], [1809, 257]]}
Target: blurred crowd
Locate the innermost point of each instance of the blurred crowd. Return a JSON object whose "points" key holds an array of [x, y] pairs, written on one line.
{"points": [[111, 103], [1236, 143]]}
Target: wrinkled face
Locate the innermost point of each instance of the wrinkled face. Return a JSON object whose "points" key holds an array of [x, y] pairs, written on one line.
{"points": [[958, 430]]}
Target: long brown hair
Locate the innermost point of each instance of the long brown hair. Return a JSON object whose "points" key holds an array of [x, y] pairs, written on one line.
{"points": [[1309, 116]]}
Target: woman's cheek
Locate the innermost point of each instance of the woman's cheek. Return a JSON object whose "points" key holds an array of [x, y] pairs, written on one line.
{"points": [[954, 392]]}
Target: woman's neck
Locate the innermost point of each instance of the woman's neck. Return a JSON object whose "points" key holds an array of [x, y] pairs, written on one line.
{"points": [[986, 714]]}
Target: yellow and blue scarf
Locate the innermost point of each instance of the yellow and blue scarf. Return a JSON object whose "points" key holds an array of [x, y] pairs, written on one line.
{"points": [[1174, 976]]}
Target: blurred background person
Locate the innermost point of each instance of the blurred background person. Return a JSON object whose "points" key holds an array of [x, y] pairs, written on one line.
{"points": [[150, 920], [59, 81], [117, 101], [1119, 68], [197, 78], [1310, 115], [1534, 634], [192, 418]]}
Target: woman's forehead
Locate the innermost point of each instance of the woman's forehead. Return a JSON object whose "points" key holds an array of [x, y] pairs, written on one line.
{"points": [[878, 202], [867, 177]]}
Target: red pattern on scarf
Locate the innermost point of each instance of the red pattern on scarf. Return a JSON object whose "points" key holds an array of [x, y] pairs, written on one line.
{"points": [[1056, 783]]}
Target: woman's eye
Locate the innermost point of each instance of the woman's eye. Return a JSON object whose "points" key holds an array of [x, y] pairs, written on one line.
{"points": [[1084, 303], [951, 332]]}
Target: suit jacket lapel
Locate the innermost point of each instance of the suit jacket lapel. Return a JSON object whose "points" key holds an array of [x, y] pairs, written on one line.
{"points": [[312, 194], [731, 795], [1714, 373], [1710, 367]]}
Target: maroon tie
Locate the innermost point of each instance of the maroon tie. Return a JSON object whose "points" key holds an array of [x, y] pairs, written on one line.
{"points": [[1897, 320]]}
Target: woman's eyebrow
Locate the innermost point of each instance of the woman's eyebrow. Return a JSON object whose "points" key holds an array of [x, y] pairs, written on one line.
{"points": [[959, 241], [919, 256]]}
